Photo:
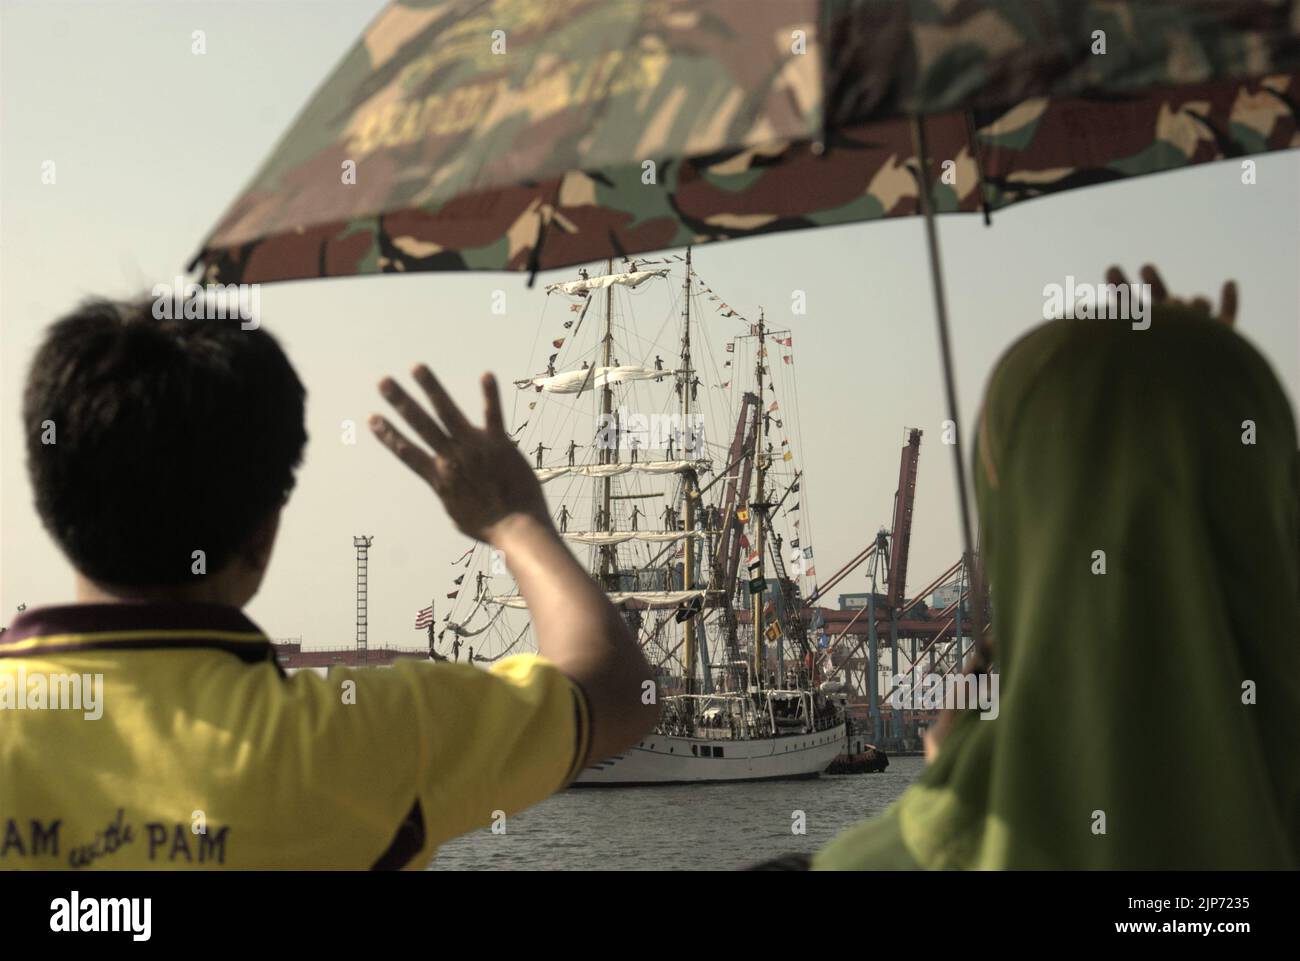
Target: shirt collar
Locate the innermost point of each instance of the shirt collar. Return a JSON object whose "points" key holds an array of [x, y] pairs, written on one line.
{"points": [[129, 618]]}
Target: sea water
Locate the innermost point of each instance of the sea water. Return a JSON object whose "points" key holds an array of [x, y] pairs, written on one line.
{"points": [[679, 827]]}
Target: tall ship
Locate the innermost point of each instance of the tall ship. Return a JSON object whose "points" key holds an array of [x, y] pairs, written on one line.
{"points": [[660, 421]]}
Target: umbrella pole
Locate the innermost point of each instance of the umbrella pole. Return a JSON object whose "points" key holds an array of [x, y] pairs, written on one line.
{"points": [[950, 386]]}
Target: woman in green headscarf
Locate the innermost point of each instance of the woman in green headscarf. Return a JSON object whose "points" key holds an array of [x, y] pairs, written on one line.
{"points": [[1139, 503]]}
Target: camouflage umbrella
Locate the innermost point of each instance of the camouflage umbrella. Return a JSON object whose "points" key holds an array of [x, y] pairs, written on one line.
{"points": [[516, 135], [512, 135]]}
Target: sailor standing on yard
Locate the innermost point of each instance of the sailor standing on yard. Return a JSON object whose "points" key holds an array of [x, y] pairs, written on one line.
{"points": [[177, 446]]}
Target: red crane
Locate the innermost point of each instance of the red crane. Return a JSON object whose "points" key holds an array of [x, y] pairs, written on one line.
{"points": [[901, 531]]}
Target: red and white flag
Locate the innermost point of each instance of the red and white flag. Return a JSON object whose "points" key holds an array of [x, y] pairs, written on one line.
{"points": [[785, 341], [424, 618]]}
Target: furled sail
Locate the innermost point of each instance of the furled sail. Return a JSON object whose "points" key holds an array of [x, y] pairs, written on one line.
{"points": [[650, 599], [634, 279], [460, 630], [545, 474], [603, 538], [587, 378]]}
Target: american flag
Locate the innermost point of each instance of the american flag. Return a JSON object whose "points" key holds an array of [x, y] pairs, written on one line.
{"points": [[424, 618]]}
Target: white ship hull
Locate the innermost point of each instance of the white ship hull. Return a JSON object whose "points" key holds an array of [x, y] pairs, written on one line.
{"points": [[663, 759]]}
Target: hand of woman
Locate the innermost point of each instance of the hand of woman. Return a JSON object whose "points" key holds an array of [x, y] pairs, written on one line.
{"points": [[1160, 294]]}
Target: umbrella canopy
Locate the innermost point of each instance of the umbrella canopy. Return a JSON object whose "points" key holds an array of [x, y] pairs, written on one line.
{"points": [[500, 135]]}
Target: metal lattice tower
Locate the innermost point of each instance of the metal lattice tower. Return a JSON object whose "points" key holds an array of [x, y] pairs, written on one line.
{"points": [[362, 544]]}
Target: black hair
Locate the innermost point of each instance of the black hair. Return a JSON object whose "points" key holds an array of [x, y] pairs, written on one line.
{"points": [[149, 439]]}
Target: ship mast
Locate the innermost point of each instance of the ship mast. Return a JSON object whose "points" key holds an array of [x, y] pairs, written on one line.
{"points": [[760, 460], [607, 407], [688, 486]]}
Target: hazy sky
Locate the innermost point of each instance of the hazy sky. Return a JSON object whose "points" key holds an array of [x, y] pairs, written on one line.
{"points": [[152, 143]]}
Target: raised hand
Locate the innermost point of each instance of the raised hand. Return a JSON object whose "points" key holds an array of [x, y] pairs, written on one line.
{"points": [[477, 472], [491, 493], [1160, 294]]}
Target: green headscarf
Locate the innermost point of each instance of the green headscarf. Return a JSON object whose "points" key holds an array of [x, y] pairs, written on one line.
{"points": [[1125, 694]]}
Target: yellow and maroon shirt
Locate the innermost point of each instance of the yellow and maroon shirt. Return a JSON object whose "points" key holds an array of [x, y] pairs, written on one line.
{"points": [[167, 736]]}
